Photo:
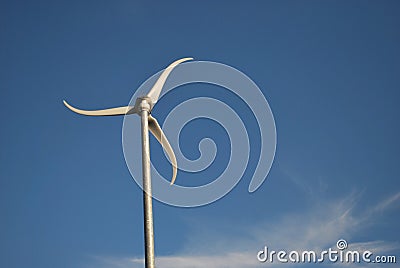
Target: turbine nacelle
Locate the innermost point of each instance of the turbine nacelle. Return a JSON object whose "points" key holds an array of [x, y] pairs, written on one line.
{"points": [[145, 103]]}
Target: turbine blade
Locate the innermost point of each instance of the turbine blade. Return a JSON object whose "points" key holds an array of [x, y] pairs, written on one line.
{"points": [[112, 111], [155, 91], [156, 130]]}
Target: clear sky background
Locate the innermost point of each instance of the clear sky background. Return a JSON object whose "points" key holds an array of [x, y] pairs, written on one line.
{"points": [[329, 69]]}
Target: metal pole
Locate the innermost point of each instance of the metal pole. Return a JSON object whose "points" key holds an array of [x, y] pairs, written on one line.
{"points": [[147, 198]]}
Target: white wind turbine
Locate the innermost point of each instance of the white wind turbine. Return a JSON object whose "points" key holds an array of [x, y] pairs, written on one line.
{"points": [[143, 107]]}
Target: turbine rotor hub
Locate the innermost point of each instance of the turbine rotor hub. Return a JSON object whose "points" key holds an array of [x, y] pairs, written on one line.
{"points": [[144, 103]]}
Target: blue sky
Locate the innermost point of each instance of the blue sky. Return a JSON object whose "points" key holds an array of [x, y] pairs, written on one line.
{"points": [[329, 70]]}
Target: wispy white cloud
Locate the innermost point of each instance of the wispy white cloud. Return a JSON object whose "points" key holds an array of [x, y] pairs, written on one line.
{"points": [[378, 247], [317, 228], [239, 260], [388, 202]]}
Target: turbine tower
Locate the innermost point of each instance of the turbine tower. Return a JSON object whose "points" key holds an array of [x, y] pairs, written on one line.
{"points": [[143, 107]]}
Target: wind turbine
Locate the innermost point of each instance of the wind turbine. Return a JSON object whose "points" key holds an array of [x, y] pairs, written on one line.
{"points": [[143, 107]]}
